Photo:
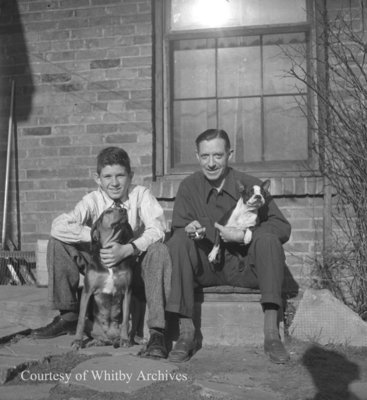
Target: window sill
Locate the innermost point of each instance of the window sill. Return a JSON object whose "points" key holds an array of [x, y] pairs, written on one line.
{"points": [[285, 186]]}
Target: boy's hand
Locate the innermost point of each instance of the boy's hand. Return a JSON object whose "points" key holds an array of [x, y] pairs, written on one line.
{"points": [[114, 253], [194, 230], [230, 234]]}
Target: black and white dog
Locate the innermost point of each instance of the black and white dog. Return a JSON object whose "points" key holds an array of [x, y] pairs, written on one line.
{"points": [[243, 216]]}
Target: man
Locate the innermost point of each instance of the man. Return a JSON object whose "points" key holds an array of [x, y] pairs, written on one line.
{"points": [[68, 251], [202, 199]]}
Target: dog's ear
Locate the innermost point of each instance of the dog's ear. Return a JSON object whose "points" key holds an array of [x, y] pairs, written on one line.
{"points": [[125, 234], [94, 233], [266, 185], [240, 186]]}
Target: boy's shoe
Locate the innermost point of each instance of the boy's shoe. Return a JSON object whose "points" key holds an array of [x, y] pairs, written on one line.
{"points": [[156, 346], [275, 350], [56, 328]]}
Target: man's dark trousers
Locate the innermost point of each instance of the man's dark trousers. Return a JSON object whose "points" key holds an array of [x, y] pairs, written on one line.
{"points": [[262, 266]]}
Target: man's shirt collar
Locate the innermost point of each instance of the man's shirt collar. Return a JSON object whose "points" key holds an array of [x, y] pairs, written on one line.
{"points": [[230, 186]]}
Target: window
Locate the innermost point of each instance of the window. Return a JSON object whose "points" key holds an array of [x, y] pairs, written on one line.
{"points": [[226, 64]]}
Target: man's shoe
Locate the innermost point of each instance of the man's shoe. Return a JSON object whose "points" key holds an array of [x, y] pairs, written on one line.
{"points": [[183, 350], [276, 351], [56, 328]]}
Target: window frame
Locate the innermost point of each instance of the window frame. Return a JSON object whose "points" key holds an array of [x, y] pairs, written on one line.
{"points": [[163, 106]]}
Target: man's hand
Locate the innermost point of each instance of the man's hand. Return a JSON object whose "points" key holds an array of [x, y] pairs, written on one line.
{"points": [[195, 231], [115, 253], [230, 234]]}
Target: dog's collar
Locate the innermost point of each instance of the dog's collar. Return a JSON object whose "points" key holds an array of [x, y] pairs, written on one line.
{"points": [[136, 250]]}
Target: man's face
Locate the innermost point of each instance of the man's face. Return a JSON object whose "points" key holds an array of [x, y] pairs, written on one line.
{"points": [[213, 158], [115, 181]]}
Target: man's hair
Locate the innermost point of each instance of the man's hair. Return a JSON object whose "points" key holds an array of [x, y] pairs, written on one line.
{"points": [[210, 134], [113, 156]]}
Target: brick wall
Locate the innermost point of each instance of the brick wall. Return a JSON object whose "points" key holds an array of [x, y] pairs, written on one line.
{"points": [[83, 82]]}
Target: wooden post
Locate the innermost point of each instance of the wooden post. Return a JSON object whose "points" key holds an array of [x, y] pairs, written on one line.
{"points": [[7, 169], [323, 117]]}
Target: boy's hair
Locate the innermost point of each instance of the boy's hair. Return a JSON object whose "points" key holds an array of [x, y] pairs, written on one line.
{"points": [[113, 156], [210, 134]]}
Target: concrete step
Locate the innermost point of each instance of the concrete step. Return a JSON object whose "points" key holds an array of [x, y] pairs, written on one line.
{"points": [[224, 315], [229, 315]]}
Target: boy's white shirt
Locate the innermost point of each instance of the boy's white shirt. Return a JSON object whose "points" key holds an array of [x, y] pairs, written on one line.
{"points": [[145, 216]]}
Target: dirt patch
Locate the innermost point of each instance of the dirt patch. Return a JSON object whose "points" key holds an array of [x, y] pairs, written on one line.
{"points": [[314, 372]]}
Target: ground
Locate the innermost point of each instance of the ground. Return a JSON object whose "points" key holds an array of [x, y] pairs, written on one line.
{"points": [[314, 372]]}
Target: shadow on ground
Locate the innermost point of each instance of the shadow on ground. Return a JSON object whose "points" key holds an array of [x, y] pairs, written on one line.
{"points": [[332, 373]]}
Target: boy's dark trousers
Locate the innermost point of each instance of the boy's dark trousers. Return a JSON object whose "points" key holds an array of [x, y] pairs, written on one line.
{"points": [[152, 273]]}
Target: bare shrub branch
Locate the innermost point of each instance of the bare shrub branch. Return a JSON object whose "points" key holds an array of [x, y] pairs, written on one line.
{"points": [[341, 144]]}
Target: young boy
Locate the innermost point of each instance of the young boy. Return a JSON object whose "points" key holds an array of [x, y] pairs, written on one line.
{"points": [[68, 251]]}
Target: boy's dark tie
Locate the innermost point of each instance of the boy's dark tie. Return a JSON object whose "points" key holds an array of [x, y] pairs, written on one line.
{"points": [[117, 204]]}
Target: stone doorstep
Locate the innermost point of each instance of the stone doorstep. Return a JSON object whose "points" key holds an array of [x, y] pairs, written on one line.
{"points": [[226, 294], [229, 323], [225, 315], [228, 315]]}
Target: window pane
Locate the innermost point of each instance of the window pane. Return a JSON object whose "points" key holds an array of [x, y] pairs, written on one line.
{"points": [[261, 12], [285, 129], [190, 119], [194, 69], [242, 84], [196, 14], [241, 119], [239, 66], [282, 53]]}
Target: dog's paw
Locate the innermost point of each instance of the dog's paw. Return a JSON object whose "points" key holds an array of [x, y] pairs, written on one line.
{"points": [[248, 236], [99, 342], [125, 343], [77, 344], [116, 343], [212, 256]]}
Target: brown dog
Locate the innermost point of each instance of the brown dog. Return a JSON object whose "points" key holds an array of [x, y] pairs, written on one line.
{"points": [[110, 288]]}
